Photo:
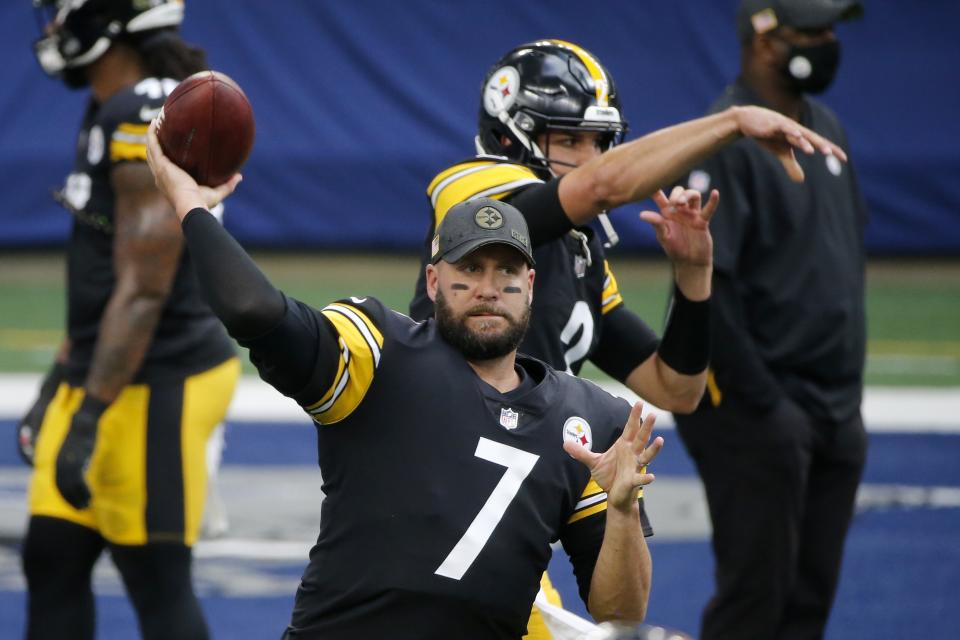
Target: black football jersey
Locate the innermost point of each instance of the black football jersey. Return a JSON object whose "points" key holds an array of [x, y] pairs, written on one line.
{"points": [[189, 337], [442, 494], [575, 287]]}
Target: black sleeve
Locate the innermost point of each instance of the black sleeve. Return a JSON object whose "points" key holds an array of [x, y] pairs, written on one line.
{"points": [[540, 205], [734, 357], [292, 345], [239, 293], [626, 341]]}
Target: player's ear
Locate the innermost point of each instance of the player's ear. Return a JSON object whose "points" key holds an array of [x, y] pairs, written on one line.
{"points": [[432, 282], [531, 274]]}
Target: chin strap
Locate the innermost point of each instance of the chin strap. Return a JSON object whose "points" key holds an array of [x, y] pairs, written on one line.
{"points": [[613, 239]]}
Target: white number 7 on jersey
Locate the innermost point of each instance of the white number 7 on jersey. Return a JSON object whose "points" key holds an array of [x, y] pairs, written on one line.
{"points": [[519, 464]]}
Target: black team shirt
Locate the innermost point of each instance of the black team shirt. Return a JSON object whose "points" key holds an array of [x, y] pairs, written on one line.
{"points": [[442, 494], [788, 295], [188, 337]]}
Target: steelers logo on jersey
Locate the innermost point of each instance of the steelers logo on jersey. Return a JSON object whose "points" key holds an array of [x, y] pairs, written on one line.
{"points": [[576, 429], [488, 218]]}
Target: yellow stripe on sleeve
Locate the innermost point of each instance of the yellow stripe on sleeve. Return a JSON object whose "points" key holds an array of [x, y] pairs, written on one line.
{"points": [[129, 142], [457, 168], [580, 515], [127, 151], [593, 500], [591, 489], [130, 128], [474, 180], [611, 297], [361, 343]]}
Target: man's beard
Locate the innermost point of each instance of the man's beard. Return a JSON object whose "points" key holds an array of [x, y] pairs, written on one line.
{"points": [[475, 346]]}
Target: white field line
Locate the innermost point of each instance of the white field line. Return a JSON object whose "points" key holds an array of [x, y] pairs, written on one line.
{"points": [[885, 409]]}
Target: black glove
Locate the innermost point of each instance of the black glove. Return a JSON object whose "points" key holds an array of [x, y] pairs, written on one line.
{"points": [[75, 453], [29, 426]]}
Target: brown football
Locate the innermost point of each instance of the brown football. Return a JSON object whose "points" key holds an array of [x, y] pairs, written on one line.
{"points": [[206, 127]]}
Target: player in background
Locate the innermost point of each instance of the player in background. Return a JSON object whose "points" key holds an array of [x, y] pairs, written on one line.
{"points": [[147, 370], [779, 440], [548, 142]]}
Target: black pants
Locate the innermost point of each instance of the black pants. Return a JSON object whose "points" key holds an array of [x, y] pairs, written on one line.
{"points": [[58, 560], [781, 487]]}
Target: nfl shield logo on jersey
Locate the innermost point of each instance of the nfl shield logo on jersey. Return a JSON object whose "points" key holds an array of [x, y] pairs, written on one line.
{"points": [[580, 266], [576, 429], [509, 418]]}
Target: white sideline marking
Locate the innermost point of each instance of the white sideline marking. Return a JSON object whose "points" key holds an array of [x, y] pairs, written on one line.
{"points": [[252, 549], [885, 409]]}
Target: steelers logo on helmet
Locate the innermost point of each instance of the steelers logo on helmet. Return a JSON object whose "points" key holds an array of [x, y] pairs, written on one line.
{"points": [[488, 218], [500, 92], [576, 429]]}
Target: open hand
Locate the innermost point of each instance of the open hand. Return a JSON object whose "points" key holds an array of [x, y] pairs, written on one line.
{"points": [[779, 135], [682, 225], [620, 470]]}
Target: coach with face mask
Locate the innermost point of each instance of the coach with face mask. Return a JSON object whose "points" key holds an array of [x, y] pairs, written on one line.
{"points": [[778, 438]]}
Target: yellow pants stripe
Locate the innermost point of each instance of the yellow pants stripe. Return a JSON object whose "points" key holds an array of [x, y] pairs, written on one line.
{"points": [[148, 482]]}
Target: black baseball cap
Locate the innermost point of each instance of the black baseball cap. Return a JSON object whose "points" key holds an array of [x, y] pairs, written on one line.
{"points": [[477, 223], [761, 16]]}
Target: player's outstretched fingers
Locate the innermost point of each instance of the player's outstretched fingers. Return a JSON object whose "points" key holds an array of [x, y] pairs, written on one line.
{"points": [[580, 453], [789, 162], [658, 222], [707, 211], [795, 135], [678, 196], [825, 146], [692, 213], [633, 429], [660, 199]]}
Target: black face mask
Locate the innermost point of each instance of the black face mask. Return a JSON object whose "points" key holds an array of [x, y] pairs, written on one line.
{"points": [[811, 69]]}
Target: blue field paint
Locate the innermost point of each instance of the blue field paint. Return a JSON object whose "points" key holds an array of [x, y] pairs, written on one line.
{"points": [[899, 580], [893, 458]]}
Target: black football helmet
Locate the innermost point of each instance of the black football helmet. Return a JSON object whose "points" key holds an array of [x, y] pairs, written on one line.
{"points": [[78, 32], [541, 86]]}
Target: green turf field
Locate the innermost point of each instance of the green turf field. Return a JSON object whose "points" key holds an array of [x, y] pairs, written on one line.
{"points": [[913, 306]]}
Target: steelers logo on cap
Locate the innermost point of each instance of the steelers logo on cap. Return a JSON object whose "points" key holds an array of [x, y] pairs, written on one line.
{"points": [[488, 218]]}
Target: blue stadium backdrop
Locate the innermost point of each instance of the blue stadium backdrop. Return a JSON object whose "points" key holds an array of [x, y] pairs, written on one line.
{"points": [[359, 103]]}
